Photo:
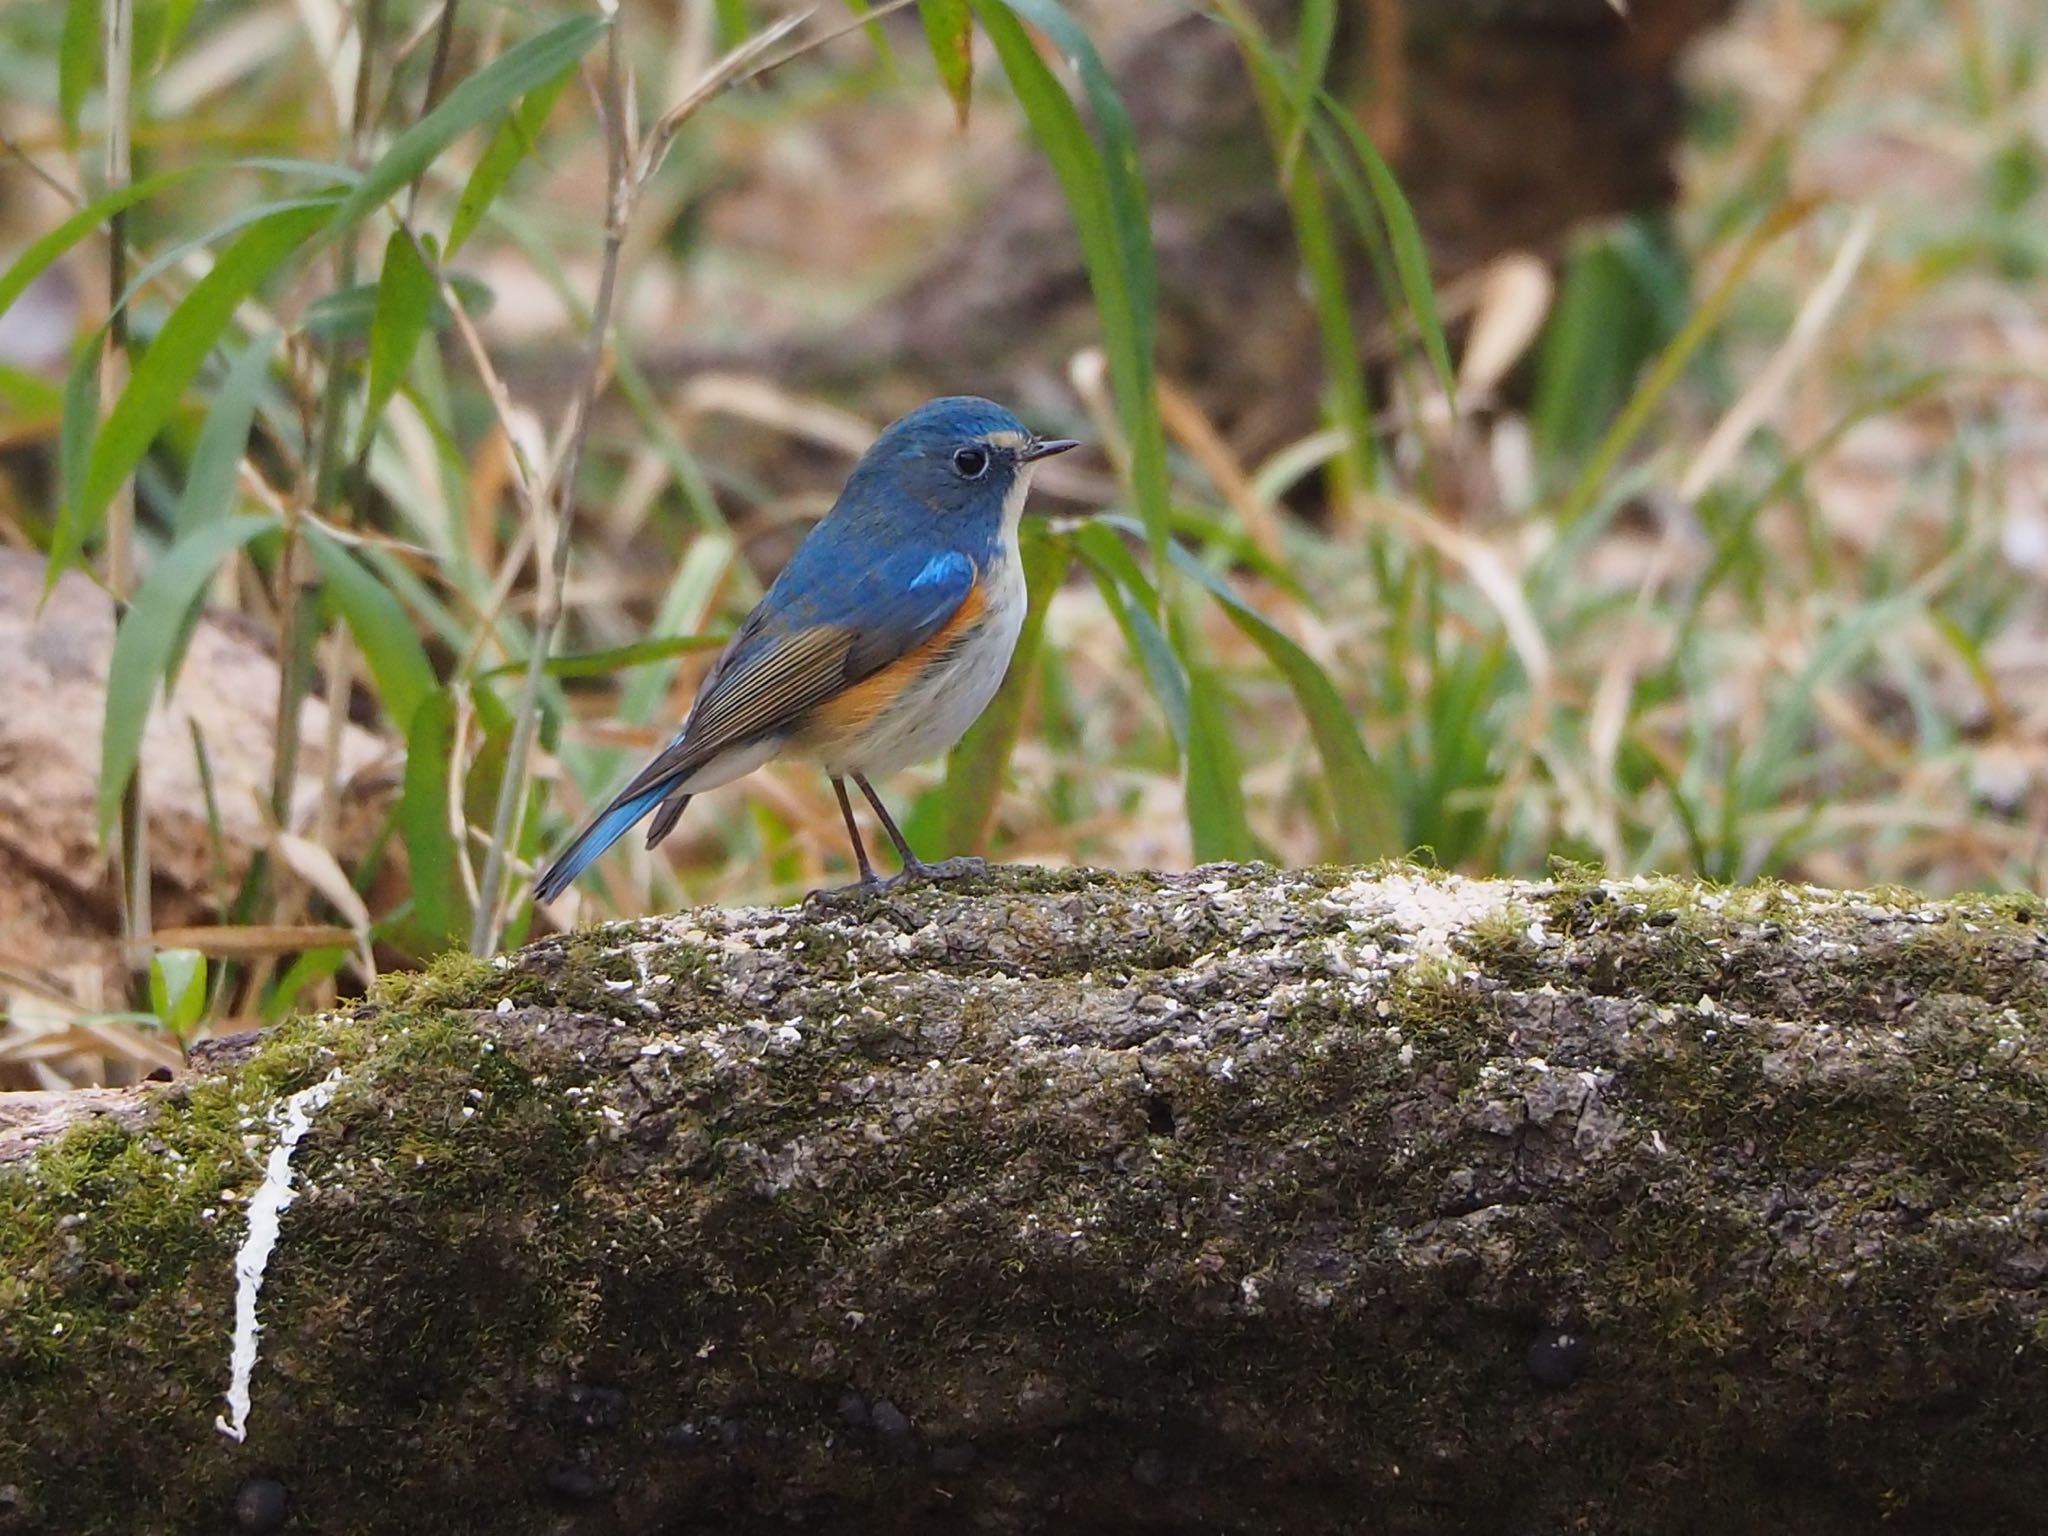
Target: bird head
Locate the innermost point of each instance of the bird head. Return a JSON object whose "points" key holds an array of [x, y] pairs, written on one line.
{"points": [[961, 458]]}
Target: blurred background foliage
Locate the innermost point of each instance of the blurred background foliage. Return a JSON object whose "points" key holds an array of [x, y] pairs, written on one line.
{"points": [[1524, 433]]}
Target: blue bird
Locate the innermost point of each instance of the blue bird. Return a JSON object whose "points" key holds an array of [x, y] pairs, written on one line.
{"points": [[882, 640]]}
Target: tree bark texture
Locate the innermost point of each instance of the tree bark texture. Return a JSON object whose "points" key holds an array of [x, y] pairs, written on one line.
{"points": [[1239, 1200]]}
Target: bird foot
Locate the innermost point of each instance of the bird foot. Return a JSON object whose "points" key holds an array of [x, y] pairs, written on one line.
{"points": [[847, 895], [946, 869]]}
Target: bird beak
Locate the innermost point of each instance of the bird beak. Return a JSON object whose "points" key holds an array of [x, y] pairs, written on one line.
{"points": [[1046, 447]]}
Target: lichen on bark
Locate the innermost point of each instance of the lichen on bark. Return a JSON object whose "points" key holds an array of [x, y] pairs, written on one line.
{"points": [[1379, 1199]]}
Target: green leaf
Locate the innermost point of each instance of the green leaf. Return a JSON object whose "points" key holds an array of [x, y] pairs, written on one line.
{"points": [[517, 137], [210, 478], [307, 971], [619, 658], [1404, 235], [1274, 81], [78, 62], [976, 767], [1215, 787], [1106, 195], [406, 291], [177, 989], [949, 28], [347, 314], [43, 253], [1116, 573], [682, 614], [383, 633], [487, 92], [1368, 819], [439, 908], [29, 396], [74, 435], [733, 25], [177, 16], [172, 360], [1318, 31], [144, 643]]}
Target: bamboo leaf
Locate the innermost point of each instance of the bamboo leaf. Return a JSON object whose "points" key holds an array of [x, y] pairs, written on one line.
{"points": [[41, 254], [439, 908], [517, 137], [382, 631], [949, 28], [210, 478], [145, 641], [78, 62], [489, 91], [406, 291], [619, 658], [169, 365], [349, 313]]}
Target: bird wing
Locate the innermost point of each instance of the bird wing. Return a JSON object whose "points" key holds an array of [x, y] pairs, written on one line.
{"points": [[806, 643]]}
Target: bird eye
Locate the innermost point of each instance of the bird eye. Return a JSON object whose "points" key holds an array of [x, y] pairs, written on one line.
{"points": [[972, 463]]}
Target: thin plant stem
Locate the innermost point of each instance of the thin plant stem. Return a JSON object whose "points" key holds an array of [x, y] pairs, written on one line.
{"points": [[297, 617], [483, 938], [118, 27]]}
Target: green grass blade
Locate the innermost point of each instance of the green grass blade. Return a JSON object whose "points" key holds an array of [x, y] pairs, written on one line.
{"points": [[517, 138], [685, 607], [949, 28], [1119, 579], [976, 768], [1317, 32], [1671, 363], [210, 478], [160, 378], [1217, 827], [145, 641], [398, 663], [1404, 237], [1106, 196], [406, 291], [1315, 235], [1364, 804], [520, 69]]}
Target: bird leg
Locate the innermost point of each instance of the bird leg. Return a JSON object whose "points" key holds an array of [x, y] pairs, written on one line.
{"points": [[915, 868], [868, 877]]}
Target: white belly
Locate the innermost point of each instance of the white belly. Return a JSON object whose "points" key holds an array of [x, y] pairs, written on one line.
{"points": [[931, 714]]}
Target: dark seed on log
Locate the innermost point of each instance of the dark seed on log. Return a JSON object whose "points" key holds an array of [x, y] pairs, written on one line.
{"points": [[1557, 1356]]}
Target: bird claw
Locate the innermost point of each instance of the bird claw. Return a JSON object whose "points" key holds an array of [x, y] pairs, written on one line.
{"points": [[959, 867]]}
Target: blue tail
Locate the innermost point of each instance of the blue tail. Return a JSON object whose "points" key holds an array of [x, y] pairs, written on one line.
{"points": [[583, 850]]}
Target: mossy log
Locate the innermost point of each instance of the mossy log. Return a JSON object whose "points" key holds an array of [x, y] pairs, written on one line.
{"points": [[1229, 1201]]}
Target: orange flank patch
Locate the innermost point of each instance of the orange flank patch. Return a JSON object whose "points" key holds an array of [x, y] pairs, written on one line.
{"points": [[847, 714]]}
